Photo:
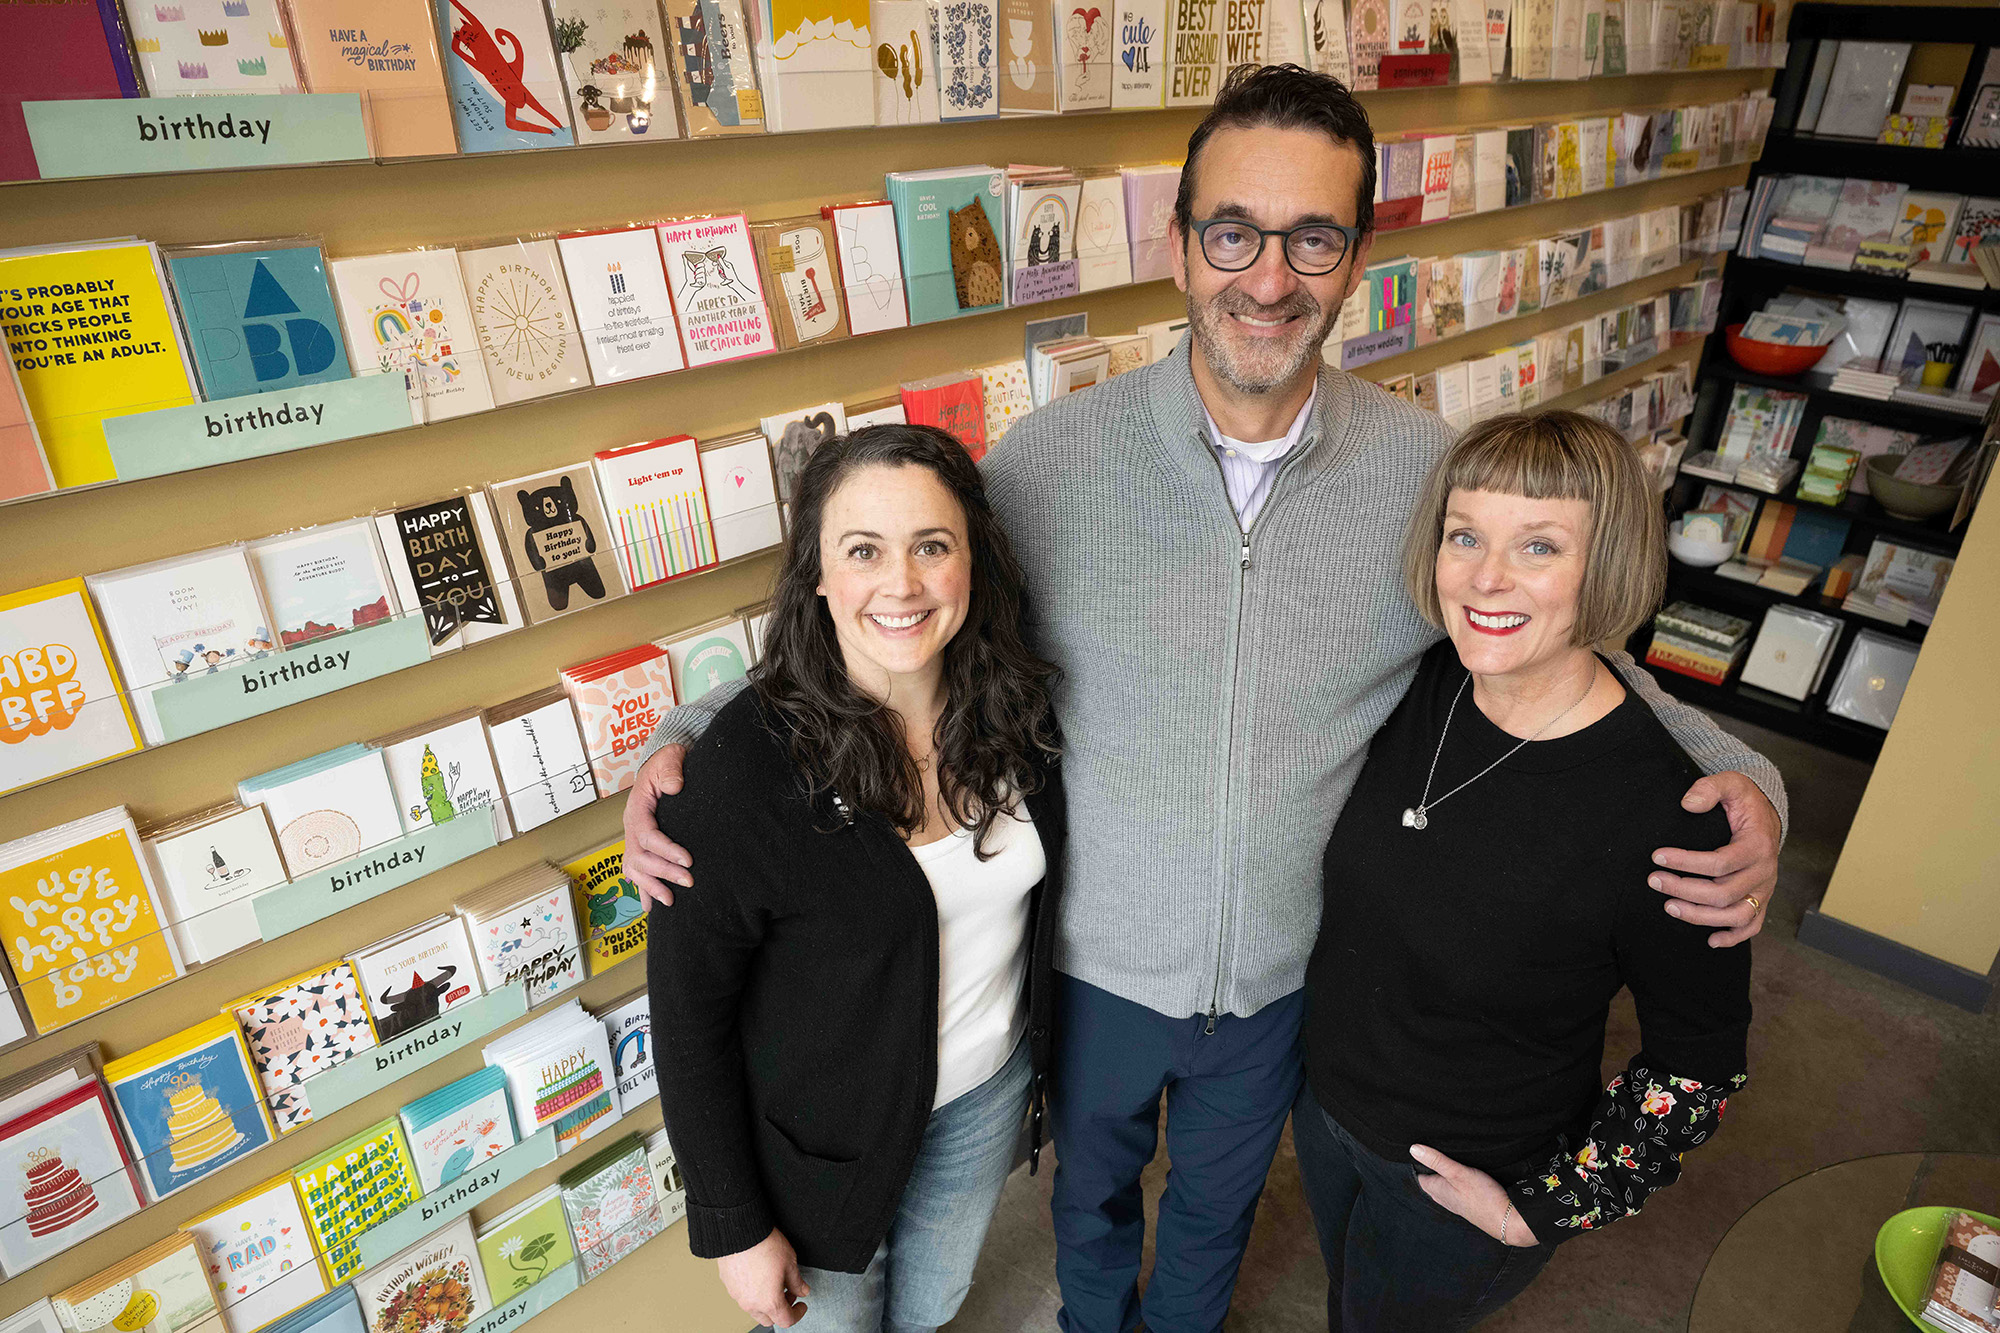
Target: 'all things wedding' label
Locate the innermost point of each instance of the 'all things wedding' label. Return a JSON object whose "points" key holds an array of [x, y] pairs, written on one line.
{"points": [[179, 439], [137, 136], [289, 676]]}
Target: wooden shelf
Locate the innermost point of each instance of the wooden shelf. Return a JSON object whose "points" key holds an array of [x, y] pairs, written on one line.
{"points": [[1959, 170], [1890, 411], [1705, 586], [1772, 274], [1808, 721]]}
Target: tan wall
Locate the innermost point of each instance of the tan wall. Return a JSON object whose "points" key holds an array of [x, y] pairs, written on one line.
{"points": [[362, 208], [1922, 860]]}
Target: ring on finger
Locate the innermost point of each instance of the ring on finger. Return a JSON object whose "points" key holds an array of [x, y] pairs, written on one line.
{"points": [[1755, 906]]}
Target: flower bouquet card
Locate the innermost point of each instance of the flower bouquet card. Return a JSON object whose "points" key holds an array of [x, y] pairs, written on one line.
{"points": [[628, 1025], [65, 1175], [539, 754], [80, 922], [796, 256], [125, 355], [968, 41], [742, 494], [180, 619], [410, 979], [190, 1105], [718, 297], [327, 807], [524, 931], [500, 67], [385, 51], [619, 700], [323, 581], [615, 68], [871, 266], [623, 308], [658, 509], [708, 657], [716, 77], [301, 1027], [259, 1256], [52, 53], [558, 1073], [462, 1124], [212, 46], [613, 914], [525, 1244], [558, 540], [61, 706], [210, 865], [165, 1284], [521, 311], [406, 314], [819, 56], [259, 315], [351, 1187], [433, 1285], [443, 769], [612, 1206], [447, 562]]}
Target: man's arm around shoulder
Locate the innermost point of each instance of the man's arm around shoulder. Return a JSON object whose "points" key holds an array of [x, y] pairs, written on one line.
{"points": [[653, 861]]}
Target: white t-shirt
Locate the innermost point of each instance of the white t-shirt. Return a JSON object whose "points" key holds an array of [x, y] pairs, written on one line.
{"points": [[983, 924]]}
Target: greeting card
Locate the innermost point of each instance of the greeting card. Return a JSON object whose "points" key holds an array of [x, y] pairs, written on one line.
{"points": [[166, 1284], [212, 46], [323, 581], [259, 315], [50, 52], [628, 1026], [612, 1206], [796, 256], [619, 700], [209, 866], [302, 1027], [64, 1176], [521, 310], [448, 565], [559, 538], [657, 508], [905, 75], [742, 495], [1103, 246], [384, 51], [190, 1105], [407, 315], [524, 931], [558, 1070], [718, 296], [820, 59], [525, 1244], [411, 979], [327, 807], [539, 754], [351, 1187], [435, 1285], [615, 66], [442, 770], [794, 436], [451, 1131], [716, 79], [259, 1257], [61, 706], [613, 914], [500, 65], [623, 307], [708, 657], [968, 43]]}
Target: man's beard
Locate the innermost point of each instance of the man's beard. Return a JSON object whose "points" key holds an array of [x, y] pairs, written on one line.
{"points": [[1268, 364]]}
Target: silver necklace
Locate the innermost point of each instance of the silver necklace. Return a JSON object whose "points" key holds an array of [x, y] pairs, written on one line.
{"points": [[1418, 816]]}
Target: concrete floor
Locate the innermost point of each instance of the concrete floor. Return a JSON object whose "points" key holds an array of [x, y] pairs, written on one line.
{"points": [[1842, 1064]]}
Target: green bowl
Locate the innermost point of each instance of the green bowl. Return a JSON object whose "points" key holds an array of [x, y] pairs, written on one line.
{"points": [[1906, 1250]]}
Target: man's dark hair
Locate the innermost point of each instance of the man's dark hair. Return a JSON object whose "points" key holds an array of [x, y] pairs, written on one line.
{"points": [[1284, 97]]}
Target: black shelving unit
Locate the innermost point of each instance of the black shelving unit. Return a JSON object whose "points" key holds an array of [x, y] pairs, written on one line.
{"points": [[1749, 283]]}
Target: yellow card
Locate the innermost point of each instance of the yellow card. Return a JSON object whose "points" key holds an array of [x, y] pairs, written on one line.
{"points": [[609, 906]]}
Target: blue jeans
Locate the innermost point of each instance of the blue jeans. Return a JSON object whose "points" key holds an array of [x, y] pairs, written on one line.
{"points": [[1228, 1093], [923, 1267], [1397, 1261]]}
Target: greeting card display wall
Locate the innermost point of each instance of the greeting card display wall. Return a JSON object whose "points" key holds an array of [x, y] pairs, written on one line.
{"points": [[368, 208]]}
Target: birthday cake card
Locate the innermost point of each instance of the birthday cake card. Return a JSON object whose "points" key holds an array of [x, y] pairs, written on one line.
{"points": [[190, 1105], [64, 1176]]}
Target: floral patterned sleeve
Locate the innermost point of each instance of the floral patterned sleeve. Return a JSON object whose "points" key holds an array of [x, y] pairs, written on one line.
{"points": [[1646, 1119]]}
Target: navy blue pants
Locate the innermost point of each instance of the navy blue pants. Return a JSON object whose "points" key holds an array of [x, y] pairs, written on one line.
{"points": [[1228, 1093]]}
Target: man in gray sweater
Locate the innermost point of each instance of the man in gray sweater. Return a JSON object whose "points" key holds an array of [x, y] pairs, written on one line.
{"points": [[1211, 544]]}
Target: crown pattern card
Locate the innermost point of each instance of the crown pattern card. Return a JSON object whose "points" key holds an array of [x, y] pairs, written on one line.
{"points": [[386, 52], [612, 1206], [448, 564], [821, 58], [351, 1187], [715, 73], [193, 47], [166, 1284], [190, 1104], [796, 255], [79, 920], [406, 314], [323, 581], [411, 979], [521, 311], [525, 1244], [500, 67], [624, 311], [259, 316], [718, 295], [614, 59], [259, 1256], [299, 1028], [658, 510], [613, 914], [64, 1176], [539, 754], [61, 705]]}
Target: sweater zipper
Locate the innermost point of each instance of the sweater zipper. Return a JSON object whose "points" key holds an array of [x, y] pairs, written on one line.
{"points": [[1235, 672]]}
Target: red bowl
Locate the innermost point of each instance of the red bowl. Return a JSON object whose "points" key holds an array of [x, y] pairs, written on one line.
{"points": [[1770, 358]]}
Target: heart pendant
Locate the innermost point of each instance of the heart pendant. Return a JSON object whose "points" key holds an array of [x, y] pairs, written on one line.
{"points": [[1415, 819]]}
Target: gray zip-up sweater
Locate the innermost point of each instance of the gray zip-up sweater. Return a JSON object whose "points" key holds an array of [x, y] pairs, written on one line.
{"points": [[1221, 687]]}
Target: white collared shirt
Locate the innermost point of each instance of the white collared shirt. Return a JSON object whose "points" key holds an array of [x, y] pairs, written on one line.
{"points": [[1249, 468]]}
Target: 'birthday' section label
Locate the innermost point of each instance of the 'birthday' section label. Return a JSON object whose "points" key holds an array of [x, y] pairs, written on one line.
{"points": [[180, 439], [456, 1197], [321, 893], [135, 136], [367, 1072]]}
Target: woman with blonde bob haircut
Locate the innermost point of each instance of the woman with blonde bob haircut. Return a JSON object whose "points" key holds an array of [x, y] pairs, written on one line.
{"points": [[1485, 901]]}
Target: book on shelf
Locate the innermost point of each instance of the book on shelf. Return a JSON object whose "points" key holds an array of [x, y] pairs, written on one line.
{"points": [[1696, 641], [1926, 341]]}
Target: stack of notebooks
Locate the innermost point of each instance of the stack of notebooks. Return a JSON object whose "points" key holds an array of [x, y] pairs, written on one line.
{"points": [[1698, 642], [37, 878], [613, 1205], [524, 933], [559, 1073], [76, 1177], [1899, 584], [454, 1129], [525, 1244], [1789, 548], [1864, 383]]}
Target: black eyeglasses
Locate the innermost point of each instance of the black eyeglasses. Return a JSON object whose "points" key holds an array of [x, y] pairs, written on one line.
{"points": [[1313, 250]]}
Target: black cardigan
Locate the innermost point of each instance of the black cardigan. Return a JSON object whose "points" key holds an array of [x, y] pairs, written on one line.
{"points": [[795, 999]]}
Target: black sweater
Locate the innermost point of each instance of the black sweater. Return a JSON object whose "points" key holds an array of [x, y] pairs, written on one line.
{"points": [[1458, 992], [795, 999]]}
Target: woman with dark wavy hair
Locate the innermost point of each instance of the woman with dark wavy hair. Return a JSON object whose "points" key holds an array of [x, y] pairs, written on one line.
{"points": [[852, 1012]]}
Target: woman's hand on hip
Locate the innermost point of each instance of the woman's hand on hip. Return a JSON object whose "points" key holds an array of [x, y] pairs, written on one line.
{"points": [[1473, 1195], [765, 1281]]}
